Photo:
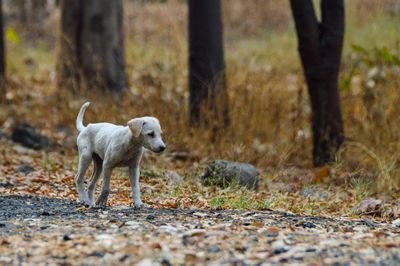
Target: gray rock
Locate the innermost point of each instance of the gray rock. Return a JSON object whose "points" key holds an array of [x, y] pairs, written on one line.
{"points": [[370, 206], [28, 137], [25, 169], [225, 173]]}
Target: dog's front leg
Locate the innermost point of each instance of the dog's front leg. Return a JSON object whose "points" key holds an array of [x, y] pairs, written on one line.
{"points": [[105, 191], [134, 174]]}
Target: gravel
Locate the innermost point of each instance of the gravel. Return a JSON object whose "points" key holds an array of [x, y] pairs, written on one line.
{"points": [[39, 230]]}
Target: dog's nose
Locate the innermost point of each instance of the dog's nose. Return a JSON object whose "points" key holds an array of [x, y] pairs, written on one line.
{"points": [[162, 148]]}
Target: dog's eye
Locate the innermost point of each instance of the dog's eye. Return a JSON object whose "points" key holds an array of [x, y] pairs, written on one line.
{"points": [[151, 134]]}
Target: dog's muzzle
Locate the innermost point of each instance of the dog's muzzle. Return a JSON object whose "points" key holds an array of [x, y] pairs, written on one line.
{"points": [[161, 149]]}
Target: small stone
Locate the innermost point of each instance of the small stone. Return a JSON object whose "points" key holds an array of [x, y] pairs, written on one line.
{"points": [[214, 249], [67, 238], [396, 222], [150, 217], [309, 225], [279, 247], [306, 224], [25, 169], [124, 258], [165, 262], [311, 249], [96, 254], [186, 240]]}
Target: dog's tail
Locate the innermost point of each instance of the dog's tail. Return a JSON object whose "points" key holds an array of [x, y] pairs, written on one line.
{"points": [[79, 118]]}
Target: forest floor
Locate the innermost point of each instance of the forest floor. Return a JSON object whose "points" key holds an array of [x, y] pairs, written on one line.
{"points": [[40, 230], [42, 223]]}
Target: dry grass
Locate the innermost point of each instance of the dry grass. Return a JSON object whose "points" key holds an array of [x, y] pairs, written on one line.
{"points": [[268, 99]]}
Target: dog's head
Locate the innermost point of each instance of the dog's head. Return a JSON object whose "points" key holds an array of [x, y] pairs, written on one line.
{"points": [[148, 131]]}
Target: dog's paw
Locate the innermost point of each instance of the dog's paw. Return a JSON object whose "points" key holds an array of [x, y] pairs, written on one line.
{"points": [[101, 202], [83, 198]]}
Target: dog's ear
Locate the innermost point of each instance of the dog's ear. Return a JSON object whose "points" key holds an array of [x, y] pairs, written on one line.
{"points": [[136, 125]]}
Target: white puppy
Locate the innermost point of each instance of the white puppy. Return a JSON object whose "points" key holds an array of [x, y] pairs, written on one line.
{"points": [[109, 146]]}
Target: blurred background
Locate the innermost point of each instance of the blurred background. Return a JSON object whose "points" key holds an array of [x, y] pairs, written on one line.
{"points": [[269, 110]]}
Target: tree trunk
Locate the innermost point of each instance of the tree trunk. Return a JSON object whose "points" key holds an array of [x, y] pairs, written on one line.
{"points": [[35, 14], [320, 48], [91, 44], [207, 82], [68, 73], [2, 57]]}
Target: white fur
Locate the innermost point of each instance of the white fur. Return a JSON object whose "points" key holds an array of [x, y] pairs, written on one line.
{"points": [[110, 146]]}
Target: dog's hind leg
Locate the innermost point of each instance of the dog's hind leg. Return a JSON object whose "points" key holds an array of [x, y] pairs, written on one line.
{"points": [[98, 167], [84, 161]]}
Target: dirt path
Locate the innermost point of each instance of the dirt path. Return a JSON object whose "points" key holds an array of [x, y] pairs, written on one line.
{"points": [[45, 230]]}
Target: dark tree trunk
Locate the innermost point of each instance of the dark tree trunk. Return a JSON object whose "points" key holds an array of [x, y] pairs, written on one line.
{"points": [[2, 56], [91, 44], [68, 68], [207, 82], [320, 48]]}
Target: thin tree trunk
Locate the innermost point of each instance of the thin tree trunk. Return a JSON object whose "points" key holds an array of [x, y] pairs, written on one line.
{"points": [[91, 44], [320, 48], [207, 82]]}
